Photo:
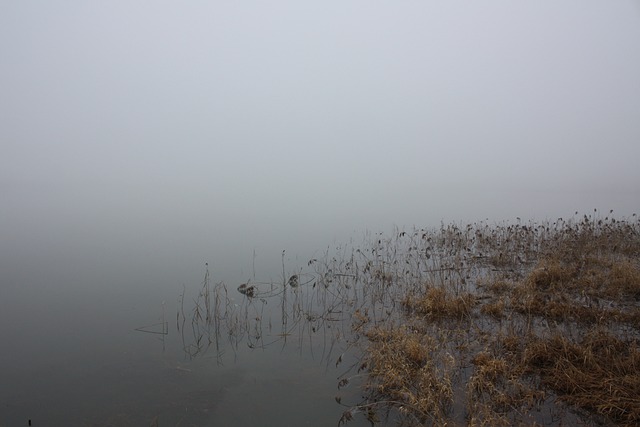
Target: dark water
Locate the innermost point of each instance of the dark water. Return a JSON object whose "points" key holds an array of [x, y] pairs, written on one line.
{"points": [[73, 353]]}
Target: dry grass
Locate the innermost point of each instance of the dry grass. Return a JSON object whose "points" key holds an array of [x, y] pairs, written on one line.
{"points": [[410, 370], [439, 303], [506, 324], [497, 390], [599, 372]]}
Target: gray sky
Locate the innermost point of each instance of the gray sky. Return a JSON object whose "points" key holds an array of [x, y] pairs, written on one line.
{"points": [[195, 126]]}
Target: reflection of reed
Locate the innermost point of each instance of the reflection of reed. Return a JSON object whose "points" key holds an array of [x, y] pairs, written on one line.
{"points": [[153, 328], [308, 311], [316, 304], [160, 328]]}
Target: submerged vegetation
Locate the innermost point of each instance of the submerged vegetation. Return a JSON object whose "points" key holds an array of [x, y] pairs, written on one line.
{"points": [[481, 324]]}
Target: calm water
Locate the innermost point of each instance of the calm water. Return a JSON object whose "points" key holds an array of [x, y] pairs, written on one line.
{"points": [[71, 354]]}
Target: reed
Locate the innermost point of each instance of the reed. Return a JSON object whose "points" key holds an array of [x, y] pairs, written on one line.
{"points": [[477, 324], [527, 311]]}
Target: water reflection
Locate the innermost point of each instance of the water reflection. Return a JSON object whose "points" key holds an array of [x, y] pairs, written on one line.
{"points": [[297, 337], [206, 356]]}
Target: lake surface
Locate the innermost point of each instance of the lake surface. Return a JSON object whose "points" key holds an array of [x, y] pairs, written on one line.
{"points": [[148, 336], [118, 350]]}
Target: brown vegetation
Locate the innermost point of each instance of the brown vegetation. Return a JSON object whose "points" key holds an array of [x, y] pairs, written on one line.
{"points": [[533, 324]]}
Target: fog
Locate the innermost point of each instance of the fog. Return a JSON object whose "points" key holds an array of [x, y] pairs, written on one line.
{"points": [[145, 138]]}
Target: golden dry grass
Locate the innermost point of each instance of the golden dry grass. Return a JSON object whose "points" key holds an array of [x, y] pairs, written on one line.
{"points": [[599, 372], [502, 325], [411, 370], [440, 303]]}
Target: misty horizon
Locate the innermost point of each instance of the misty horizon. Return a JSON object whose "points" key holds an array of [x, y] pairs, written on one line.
{"points": [[198, 132]]}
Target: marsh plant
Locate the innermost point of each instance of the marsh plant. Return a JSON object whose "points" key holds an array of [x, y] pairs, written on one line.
{"points": [[303, 307], [533, 323], [504, 324]]}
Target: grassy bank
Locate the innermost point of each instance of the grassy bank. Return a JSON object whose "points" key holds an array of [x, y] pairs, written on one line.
{"points": [[497, 324]]}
